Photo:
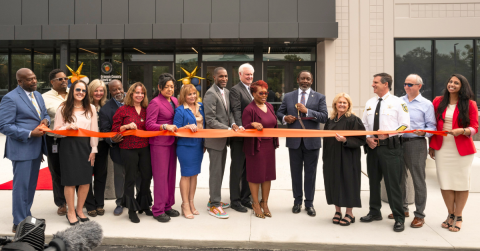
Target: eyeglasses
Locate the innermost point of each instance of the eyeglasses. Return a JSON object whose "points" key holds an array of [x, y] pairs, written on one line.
{"points": [[80, 90], [263, 93], [61, 79], [409, 85]]}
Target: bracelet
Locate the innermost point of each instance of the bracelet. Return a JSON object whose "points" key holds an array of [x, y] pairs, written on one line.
{"points": [[463, 131], [164, 126]]}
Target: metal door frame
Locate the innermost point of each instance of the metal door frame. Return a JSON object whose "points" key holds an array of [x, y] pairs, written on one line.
{"points": [[147, 74]]}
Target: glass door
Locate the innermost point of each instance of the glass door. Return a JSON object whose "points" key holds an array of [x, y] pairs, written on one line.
{"points": [[146, 73]]}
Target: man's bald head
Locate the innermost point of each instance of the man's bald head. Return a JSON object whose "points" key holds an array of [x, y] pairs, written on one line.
{"points": [[115, 87], [27, 79]]}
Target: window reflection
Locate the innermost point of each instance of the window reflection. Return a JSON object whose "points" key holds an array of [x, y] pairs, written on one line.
{"points": [[3, 73], [91, 64], [188, 62], [477, 67], [42, 66], [21, 58], [413, 57]]}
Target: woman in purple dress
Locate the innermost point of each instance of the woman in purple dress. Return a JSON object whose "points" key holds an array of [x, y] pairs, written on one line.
{"points": [[260, 152]]}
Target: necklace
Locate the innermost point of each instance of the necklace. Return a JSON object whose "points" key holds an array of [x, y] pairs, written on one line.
{"points": [[336, 120], [78, 106]]}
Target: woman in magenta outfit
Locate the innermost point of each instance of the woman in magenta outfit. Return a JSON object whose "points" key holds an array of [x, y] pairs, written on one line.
{"points": [[160, 114], [260, 152]]}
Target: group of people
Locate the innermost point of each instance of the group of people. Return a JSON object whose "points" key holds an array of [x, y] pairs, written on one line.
{"points": [[73, 160]]}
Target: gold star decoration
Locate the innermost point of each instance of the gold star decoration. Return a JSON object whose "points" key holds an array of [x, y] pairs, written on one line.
{"points": [[187, 80], [75, 74]]}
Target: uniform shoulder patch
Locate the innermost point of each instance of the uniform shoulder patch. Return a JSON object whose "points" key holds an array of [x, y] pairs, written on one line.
{"points": [[405, 108]]}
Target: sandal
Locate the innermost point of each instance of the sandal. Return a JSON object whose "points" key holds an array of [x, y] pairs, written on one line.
{"points": [[344, 222], [188, 216], [458, 218], [262, 216], [337, 218], [92, 213], [263, 208], [451, 216], [195, 212]]}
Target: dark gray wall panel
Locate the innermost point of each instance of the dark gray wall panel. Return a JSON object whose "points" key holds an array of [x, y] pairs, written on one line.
{"points": [[167, 31], [34, 12], [283, 30], [318, 30], [61, 12], [114, 11], [50, 32], [282, 11], [7, 32], [28, 32], [197, 11], [88, 12], [83, 31], [138, 31], [197, 30], [141, 12], [316, 11], [169, 11], [10, 12], [110, 31], [254, 30], [225, 11], [255, 11], [224, 30]]}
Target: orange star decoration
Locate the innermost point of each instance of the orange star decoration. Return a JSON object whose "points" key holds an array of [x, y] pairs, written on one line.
{"points": [[76, 74], [188, 79]]}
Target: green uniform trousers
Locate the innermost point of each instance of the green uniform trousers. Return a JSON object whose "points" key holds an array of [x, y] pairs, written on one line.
{"points": [[387, 163]]}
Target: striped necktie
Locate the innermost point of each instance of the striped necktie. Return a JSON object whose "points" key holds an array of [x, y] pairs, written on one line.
{"points": [[34, 102]]}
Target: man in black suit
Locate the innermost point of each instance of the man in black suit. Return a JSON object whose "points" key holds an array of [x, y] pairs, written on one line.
{"points": [[310, 107], [240, 97]]}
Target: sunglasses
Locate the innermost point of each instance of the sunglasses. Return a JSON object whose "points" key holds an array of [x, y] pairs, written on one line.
{"points": [[263, 93], [80, 90], [409, 85], [61, 79]]}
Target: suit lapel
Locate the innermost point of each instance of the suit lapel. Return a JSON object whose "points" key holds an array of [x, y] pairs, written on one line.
{"points": [[245, 91], [165, 103], [219, 94], [27, 100], [310, 99]]}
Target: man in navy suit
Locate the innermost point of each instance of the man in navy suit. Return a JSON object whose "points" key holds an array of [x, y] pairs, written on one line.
{"points": [[21, 112], [308, 106]]}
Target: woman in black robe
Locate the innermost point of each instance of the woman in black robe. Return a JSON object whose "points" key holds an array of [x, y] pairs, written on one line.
{"points": [[341, 160]]}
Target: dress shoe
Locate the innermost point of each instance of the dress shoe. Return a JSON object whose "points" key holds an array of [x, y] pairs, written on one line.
{"points": [[239, 208], [296, 208], [92, 213], [247, 204], [162, 218], [148, 212], [398, 227], [172, 213], [132, 215], [14, 228], [100, 211], [370, 218], [311, 211], [62, 210], [118, 211], [407, 214], [82, 219], [417, 222], [72, 223]]}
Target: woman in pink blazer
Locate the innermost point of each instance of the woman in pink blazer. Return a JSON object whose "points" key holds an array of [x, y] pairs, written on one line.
{"points": [[160, 113], [457, 113]]}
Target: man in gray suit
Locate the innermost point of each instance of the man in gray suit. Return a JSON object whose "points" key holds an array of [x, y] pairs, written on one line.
{"points": [[308, 106], [240, 97], [218, 115]]}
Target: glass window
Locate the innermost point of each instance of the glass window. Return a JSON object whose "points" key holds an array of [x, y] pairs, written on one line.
{"points": [[71, 63], [413, 56], [91, 64], [477, 67], [145, 54], [42, 66], [21, 58], [188, 62], [289, 54], [452, 56], [3, 73]]}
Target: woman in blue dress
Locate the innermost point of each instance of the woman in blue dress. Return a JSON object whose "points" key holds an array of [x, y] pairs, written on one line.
{"points": [[190, 115]]}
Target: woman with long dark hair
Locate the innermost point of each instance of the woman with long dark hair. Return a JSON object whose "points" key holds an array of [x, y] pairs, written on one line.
{"points": [[457, 113], [77, 154]]}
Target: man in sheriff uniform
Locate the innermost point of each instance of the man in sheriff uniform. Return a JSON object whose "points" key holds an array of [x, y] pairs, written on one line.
{"points": [[385, 112]]}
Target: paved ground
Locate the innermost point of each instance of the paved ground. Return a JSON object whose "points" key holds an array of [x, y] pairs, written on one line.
{"points": [[284, 231]]}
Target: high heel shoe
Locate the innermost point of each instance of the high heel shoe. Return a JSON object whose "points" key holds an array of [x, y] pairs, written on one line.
{"points": [[454, 225], [262, 216], [195, 212], [451, 216], [188, 216], [72, 223], [132, 215], [262, 203], [82, 219]]}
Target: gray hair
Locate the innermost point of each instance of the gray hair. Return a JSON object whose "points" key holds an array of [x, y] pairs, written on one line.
{"points": [[246, 65], [419, 79]]}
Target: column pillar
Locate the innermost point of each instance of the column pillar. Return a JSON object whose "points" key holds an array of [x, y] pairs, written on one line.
{"points": [[64, 56]]}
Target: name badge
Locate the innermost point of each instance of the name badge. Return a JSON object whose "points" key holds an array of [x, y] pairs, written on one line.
{"points": [[55, 146]]}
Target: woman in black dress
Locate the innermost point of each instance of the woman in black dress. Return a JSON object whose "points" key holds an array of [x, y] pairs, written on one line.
{"points": [[341, 160]]}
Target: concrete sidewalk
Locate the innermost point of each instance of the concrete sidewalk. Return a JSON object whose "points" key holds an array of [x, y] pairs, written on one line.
{"points": [[283, 231]]}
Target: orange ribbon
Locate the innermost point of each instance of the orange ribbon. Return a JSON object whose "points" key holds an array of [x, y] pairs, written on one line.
{"points": [[223, 133]]}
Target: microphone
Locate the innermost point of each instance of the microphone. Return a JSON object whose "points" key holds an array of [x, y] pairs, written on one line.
{"points": [[81, 237]]}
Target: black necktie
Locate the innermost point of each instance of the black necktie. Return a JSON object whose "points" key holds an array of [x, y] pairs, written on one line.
{"points": [[376, 120]]}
